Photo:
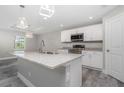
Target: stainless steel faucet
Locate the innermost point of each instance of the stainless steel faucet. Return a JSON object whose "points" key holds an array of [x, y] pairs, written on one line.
{"points": [[42, 46]]}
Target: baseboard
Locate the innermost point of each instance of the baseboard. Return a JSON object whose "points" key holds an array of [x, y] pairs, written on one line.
{"points": [[26, 81]]}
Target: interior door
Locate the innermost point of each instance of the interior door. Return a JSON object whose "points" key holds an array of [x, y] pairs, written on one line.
{"points": [[114, 48]]}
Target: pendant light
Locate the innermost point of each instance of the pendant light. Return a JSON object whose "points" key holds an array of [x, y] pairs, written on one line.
{"points": [[22, 21], [46, 11]]}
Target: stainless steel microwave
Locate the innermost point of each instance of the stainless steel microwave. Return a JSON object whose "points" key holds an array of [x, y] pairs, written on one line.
{"points": [[77, 37]]}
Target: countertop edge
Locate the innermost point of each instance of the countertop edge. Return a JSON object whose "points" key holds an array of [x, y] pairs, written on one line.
{"points": [[46, 65]]}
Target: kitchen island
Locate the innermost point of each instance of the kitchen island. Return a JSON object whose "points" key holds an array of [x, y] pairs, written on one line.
{"points": [[50, 70]]}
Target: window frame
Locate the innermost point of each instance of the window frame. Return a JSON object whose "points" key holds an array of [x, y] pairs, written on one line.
{"points": [[15, 43]]}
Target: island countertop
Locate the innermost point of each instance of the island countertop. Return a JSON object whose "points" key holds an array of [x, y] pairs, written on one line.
{"points": [[51, 61]]}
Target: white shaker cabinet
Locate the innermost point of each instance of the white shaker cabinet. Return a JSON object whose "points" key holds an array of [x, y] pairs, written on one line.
{"points": [[97, 60], [97, 33], [92, 59], [88, 35], [80, 30], [73, 31], [86, 59], [65, 36], [92, 33]]}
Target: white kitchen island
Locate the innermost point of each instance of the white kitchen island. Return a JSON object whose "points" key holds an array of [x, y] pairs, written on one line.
{"points": [[51, 70]]}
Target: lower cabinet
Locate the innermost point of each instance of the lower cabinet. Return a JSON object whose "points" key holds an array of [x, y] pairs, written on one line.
{"points": [[92, 59]]}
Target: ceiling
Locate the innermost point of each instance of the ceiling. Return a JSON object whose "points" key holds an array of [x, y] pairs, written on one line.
{"points": [[69, 16]]}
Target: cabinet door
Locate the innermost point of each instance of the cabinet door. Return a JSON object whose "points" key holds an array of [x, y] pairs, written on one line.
{"points": [[65, 36], [97, 60], [80, 30], [97, 33], [73, 31], [68, 36], [93, 33], [88, 35], [86, 59]]}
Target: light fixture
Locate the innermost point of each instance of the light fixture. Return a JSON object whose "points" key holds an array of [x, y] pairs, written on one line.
{"points": [[61, 25], [90, 17], [29, 34], [46, 11], [22, 21]]}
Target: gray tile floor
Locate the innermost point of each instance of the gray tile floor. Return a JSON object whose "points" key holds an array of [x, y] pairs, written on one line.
{"points": [[94, 78], [90, 78], [15, 83], [8, 78]]}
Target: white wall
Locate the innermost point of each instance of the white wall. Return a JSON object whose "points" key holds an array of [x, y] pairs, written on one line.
{"points": [[32, 43], [51, 39], [7, 38]]}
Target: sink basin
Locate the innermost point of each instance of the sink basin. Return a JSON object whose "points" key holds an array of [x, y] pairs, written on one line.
{"points": [[49, 52]]}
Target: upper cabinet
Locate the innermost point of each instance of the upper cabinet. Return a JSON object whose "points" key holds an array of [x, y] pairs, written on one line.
{"points": [[97, 32], [65, 36], [91, 33], [73, 31]]}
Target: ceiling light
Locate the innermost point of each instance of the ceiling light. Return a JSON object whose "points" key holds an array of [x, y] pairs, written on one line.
{"points": [[61, 25], [45, 18], [46, 11], [90, 17], [29, 35], [22, 21]]}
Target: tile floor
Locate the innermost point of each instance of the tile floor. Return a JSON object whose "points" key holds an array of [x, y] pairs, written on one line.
{"points": [[94, 78], [90, 78], [16, 82]]}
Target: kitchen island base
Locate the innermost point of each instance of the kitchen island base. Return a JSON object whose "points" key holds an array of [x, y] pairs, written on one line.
{"points": [[67, 75]]}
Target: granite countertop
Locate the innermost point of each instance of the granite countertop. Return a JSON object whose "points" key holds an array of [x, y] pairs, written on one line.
{"points": [[48, 60]]}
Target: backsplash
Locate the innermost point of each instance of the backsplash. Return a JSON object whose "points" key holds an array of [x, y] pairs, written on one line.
{"points": [[87, 45], [53, 41]]}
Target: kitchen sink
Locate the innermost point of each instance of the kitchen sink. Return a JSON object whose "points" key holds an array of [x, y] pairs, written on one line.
{"points": [[49, 52]]}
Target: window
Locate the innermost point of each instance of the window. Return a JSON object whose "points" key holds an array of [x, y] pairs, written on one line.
{"points": [[20, 43]]}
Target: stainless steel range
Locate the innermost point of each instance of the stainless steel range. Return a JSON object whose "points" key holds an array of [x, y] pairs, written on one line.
{"points": [[77, 49]]}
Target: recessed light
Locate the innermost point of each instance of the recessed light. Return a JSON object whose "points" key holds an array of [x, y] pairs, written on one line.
{"points": [[90, 17], [61, 25], [45, 18]]}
